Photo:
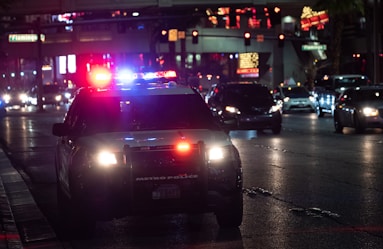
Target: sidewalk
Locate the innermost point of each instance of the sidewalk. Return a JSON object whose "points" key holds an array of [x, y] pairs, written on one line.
{"points": [[21, 221]]}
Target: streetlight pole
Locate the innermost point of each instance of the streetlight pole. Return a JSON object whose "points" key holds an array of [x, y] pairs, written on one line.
{"points": [[39, 73], [376, 35]]}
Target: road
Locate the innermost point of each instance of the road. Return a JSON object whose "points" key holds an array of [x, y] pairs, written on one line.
{"points": [[305, 188]]}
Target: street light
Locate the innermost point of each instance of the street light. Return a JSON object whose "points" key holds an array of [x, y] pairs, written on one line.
{"points": [[195, 36], [247, 37], [281, 40]]}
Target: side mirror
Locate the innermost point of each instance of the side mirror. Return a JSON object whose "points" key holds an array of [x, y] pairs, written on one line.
{"points": [[60, 129]]}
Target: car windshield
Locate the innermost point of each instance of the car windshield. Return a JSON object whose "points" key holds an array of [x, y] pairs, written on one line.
{"points": [[248, 94], [152, 112], [369, 95], [296, 92], [351, 82], [51, 89]]}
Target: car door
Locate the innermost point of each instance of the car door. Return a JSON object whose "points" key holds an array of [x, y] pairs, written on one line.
{"points": [[348, 107], [66, 144]]}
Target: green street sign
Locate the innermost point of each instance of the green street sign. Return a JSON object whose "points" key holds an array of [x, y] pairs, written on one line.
{"points": [[310, 47], [25, 37]]}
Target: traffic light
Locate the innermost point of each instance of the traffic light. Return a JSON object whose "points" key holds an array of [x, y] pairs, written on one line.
{"points": [[275, 16], [247, 37], [195, 36], [281, 40], [164, 37]]}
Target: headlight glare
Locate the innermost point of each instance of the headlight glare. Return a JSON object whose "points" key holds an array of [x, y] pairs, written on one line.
{"points": [[106, 159], [216, 154], [274, 108], [312, 98], [23, 97], [58, 97], [7, 98], [370, 112], [232, 109]]}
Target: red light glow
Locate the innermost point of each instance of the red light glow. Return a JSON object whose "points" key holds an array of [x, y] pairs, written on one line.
{"points": [[100, 77], [183, 147]]}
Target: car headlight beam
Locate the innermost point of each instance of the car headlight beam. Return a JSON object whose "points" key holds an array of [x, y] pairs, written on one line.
{"points": [[370, 112], [232, 109], [106, 159], [216, 154], [274, 108]]}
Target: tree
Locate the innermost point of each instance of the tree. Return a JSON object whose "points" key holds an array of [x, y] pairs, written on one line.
{"points": [[339, 11], [5, 5]]}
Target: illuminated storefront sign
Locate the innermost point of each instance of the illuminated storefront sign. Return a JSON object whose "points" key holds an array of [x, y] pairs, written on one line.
{"points": [[310, 18], [248, 64]]}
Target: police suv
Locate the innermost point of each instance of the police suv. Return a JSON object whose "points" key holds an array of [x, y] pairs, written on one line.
{"points": [[142, 149]]}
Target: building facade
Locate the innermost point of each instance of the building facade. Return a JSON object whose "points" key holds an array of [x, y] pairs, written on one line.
{"points": [[147, 33]]}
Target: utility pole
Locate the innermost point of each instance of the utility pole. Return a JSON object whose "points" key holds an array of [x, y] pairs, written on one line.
{"points": [[376, 35], [39, 72]]}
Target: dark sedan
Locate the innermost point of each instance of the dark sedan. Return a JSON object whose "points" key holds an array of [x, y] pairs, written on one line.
{"points": [[359, 108], [245, 105]]}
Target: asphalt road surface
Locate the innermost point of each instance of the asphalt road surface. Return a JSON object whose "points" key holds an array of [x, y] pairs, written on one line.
{"points": [[305, 188]]}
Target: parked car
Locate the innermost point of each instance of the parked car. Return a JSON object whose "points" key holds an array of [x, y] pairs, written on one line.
{"points": [[328, 89], [359, 108], [147, 149], [294, 98], [245, 105]]}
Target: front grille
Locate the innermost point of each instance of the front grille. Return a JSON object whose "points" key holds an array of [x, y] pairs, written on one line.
{"points": [[154, 168], [257, 110]]}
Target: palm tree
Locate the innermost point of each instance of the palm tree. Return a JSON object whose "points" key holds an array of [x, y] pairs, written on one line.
{"points": [[339, 12]]}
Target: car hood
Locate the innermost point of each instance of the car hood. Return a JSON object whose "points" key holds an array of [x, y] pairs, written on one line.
{"points": [[117, 140], [375, 104]]}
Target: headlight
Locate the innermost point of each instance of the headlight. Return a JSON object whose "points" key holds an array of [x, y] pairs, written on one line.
{"points": [[370, 112], [312, 98], [58, 98], [232, 109], [23, 97], [274, 108], [106, 159], [7, 98], [216, 154], [286, 99], [67, 95]]}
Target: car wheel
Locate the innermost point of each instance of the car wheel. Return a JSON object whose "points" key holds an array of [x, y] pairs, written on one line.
{"points": [[237, 124], [230, 214], [276, 129], [358, 124], [319, 111], [338, 126], [75, 219]]}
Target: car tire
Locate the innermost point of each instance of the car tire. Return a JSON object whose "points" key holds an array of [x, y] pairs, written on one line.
{"points": [[337, 124], [74, 217], [277, 129], [319, 111], [358, 124], [230, 215]]}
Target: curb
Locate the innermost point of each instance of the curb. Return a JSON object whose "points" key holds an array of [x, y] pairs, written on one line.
{"points": [[22, 222]]}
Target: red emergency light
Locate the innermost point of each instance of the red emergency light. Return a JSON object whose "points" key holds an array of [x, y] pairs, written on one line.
{"points": [[100, 77]]}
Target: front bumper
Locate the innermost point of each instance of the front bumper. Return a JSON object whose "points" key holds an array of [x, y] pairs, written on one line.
{"points": [[298, 105], [148, 183], [249, 121]]}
